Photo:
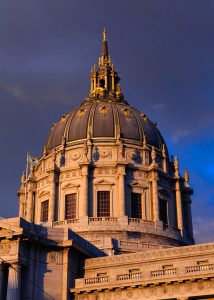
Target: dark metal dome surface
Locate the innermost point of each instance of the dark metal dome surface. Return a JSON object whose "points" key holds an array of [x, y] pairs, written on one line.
{"points": [[104, 120]]}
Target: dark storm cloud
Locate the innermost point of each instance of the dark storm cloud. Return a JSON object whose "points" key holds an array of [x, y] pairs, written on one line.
{"points": [[163, 51]]}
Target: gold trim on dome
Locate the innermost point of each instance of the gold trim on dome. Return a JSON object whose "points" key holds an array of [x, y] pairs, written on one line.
{"points": [[126, 111], [81, 112], [104, 110]]}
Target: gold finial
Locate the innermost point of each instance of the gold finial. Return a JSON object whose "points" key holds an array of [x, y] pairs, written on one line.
{"points": [[104, 34]]}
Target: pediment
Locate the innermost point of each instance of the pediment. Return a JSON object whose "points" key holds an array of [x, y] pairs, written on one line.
{"points": [[44, 193], [8, 230], [138, 184], [70, 186], [104, 182]]}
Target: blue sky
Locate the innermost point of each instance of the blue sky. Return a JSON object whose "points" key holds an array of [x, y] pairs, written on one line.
{"points": [[163, 51]]}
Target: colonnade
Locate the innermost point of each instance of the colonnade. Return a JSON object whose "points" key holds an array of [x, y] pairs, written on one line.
{"points": [[10, 281]]}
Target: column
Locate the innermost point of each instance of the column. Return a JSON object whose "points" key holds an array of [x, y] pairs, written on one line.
{"points": [[2, 281], [29, 206], [52, 199], [14, 282], [83, 207], [179, 205], [155, 198], [122, 203]]}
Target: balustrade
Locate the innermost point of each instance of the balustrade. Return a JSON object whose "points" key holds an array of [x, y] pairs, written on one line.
{"points": [[198, 268], [95, 280], [129, 276], [163, 272]]}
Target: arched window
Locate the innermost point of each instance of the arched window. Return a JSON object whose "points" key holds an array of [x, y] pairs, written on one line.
{"points": [[136, 206], [103, 204], [70, 206]]}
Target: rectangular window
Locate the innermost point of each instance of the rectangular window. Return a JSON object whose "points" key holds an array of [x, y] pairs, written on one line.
{"points": [[163, 211], [136, 206], [103, 204], [70, 206], [44, 211]]}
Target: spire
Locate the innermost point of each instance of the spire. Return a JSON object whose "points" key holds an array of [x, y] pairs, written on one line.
{"points": [[105, 45], [104, 79]]}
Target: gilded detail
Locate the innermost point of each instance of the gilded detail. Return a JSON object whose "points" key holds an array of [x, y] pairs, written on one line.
{"points": [[104, 110], [126, 112], [81, 112]]}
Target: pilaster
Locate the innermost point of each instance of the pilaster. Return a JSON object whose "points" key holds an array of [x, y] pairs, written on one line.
{"points": [[83, 205], [121, 190], [53, 177], [179, 205]]}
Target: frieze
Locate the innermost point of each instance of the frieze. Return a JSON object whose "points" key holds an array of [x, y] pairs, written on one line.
{"points": [[102, 154], [9, 248]]}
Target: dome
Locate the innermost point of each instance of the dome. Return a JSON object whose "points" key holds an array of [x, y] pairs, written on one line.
{"points": [[105, 114], [104, 120]]}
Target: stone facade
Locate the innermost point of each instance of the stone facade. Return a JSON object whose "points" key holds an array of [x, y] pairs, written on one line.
{"points": [[104, 213]]}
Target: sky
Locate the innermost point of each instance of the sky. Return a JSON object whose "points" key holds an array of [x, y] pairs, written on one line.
{"points": [[163, 51]]}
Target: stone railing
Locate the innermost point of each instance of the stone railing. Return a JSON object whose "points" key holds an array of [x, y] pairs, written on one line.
{"points": [[95, 280], [199, 268], [135, 220], [68, 221], [164, 272], [129, 276], [130, 244], [100, 219]]}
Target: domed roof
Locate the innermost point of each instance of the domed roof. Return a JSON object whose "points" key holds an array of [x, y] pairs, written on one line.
{"points": [[105, 120], [105, 115]]}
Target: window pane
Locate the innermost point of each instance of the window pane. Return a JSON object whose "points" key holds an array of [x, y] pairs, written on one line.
{"points": [[103, 204], [70, 206], [44, 211], [136, 206]]}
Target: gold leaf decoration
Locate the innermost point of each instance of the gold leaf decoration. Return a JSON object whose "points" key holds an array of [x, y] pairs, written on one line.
{"points": [[104, 110], [81, 112], [126, 112]]}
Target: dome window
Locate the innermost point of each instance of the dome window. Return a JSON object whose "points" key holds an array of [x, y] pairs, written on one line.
{"points": [[103, 204], [136, 206], [44, 211], [70, 206]]}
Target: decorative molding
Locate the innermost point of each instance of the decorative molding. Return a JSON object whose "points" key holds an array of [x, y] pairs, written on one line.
{"points": [[103, 182], [104, 110], [75, 155], [70, 185], [54, 257], [105, 153], [44, 193]]}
